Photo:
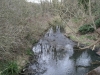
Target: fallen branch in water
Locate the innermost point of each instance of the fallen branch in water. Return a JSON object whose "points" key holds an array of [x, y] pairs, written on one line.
{"points": [[96, 62], [92, 45]]}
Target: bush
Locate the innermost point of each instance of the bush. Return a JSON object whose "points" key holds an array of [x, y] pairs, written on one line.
{"points": [[97, 23], [86, 29]]}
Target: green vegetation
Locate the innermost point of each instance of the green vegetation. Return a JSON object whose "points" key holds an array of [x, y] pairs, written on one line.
{"points": [[84, 3], [86, 29], [89, 27], [91, 37], [29, 52], [97, 23], [11, 69]]}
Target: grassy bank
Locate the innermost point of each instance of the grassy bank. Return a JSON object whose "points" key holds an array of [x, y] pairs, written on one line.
{"points": [[21, 26]]}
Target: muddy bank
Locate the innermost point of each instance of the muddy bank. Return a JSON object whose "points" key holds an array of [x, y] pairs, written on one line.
{"points": [[96, 71]]}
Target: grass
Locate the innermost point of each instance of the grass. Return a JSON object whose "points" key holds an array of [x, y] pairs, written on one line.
{"points": [[20, 29], [3, 64], [11, 69], [29, 52], [91, 37]]}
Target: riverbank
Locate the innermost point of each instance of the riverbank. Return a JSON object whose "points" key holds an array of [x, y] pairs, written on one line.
{"points": [[86, 39], [20, 51], [95, 71]]}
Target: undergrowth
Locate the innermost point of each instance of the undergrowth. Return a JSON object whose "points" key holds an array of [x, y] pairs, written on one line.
{"points": [[97, 23]]}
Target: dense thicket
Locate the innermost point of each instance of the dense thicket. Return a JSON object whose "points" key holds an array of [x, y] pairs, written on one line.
{"points": [[22, 23]]}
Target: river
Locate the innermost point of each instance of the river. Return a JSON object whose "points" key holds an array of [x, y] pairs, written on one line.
{"points": [[54, 55]]}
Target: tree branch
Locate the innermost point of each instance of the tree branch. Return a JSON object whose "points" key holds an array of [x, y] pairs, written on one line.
{"points": [[91, 45]]}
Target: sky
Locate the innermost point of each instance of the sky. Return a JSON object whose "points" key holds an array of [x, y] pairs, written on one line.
{"points": [[36, 1]]}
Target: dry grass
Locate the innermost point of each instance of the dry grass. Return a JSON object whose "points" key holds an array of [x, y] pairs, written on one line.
{"points": [[15, 40], [19, 30]]}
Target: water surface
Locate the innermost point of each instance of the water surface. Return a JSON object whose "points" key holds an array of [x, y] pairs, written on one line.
{"points": [[55, 56]]}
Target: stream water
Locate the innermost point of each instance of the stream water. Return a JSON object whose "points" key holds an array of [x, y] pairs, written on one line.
{"points": [[54, 55]]}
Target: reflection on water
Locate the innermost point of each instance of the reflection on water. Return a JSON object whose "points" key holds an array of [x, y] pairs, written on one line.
{"points": [[81, 71], [54, 55], [83, 60]]}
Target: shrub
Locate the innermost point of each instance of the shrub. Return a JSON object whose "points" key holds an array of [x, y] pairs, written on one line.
{"points": [[86, 29], [97, 23]]}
